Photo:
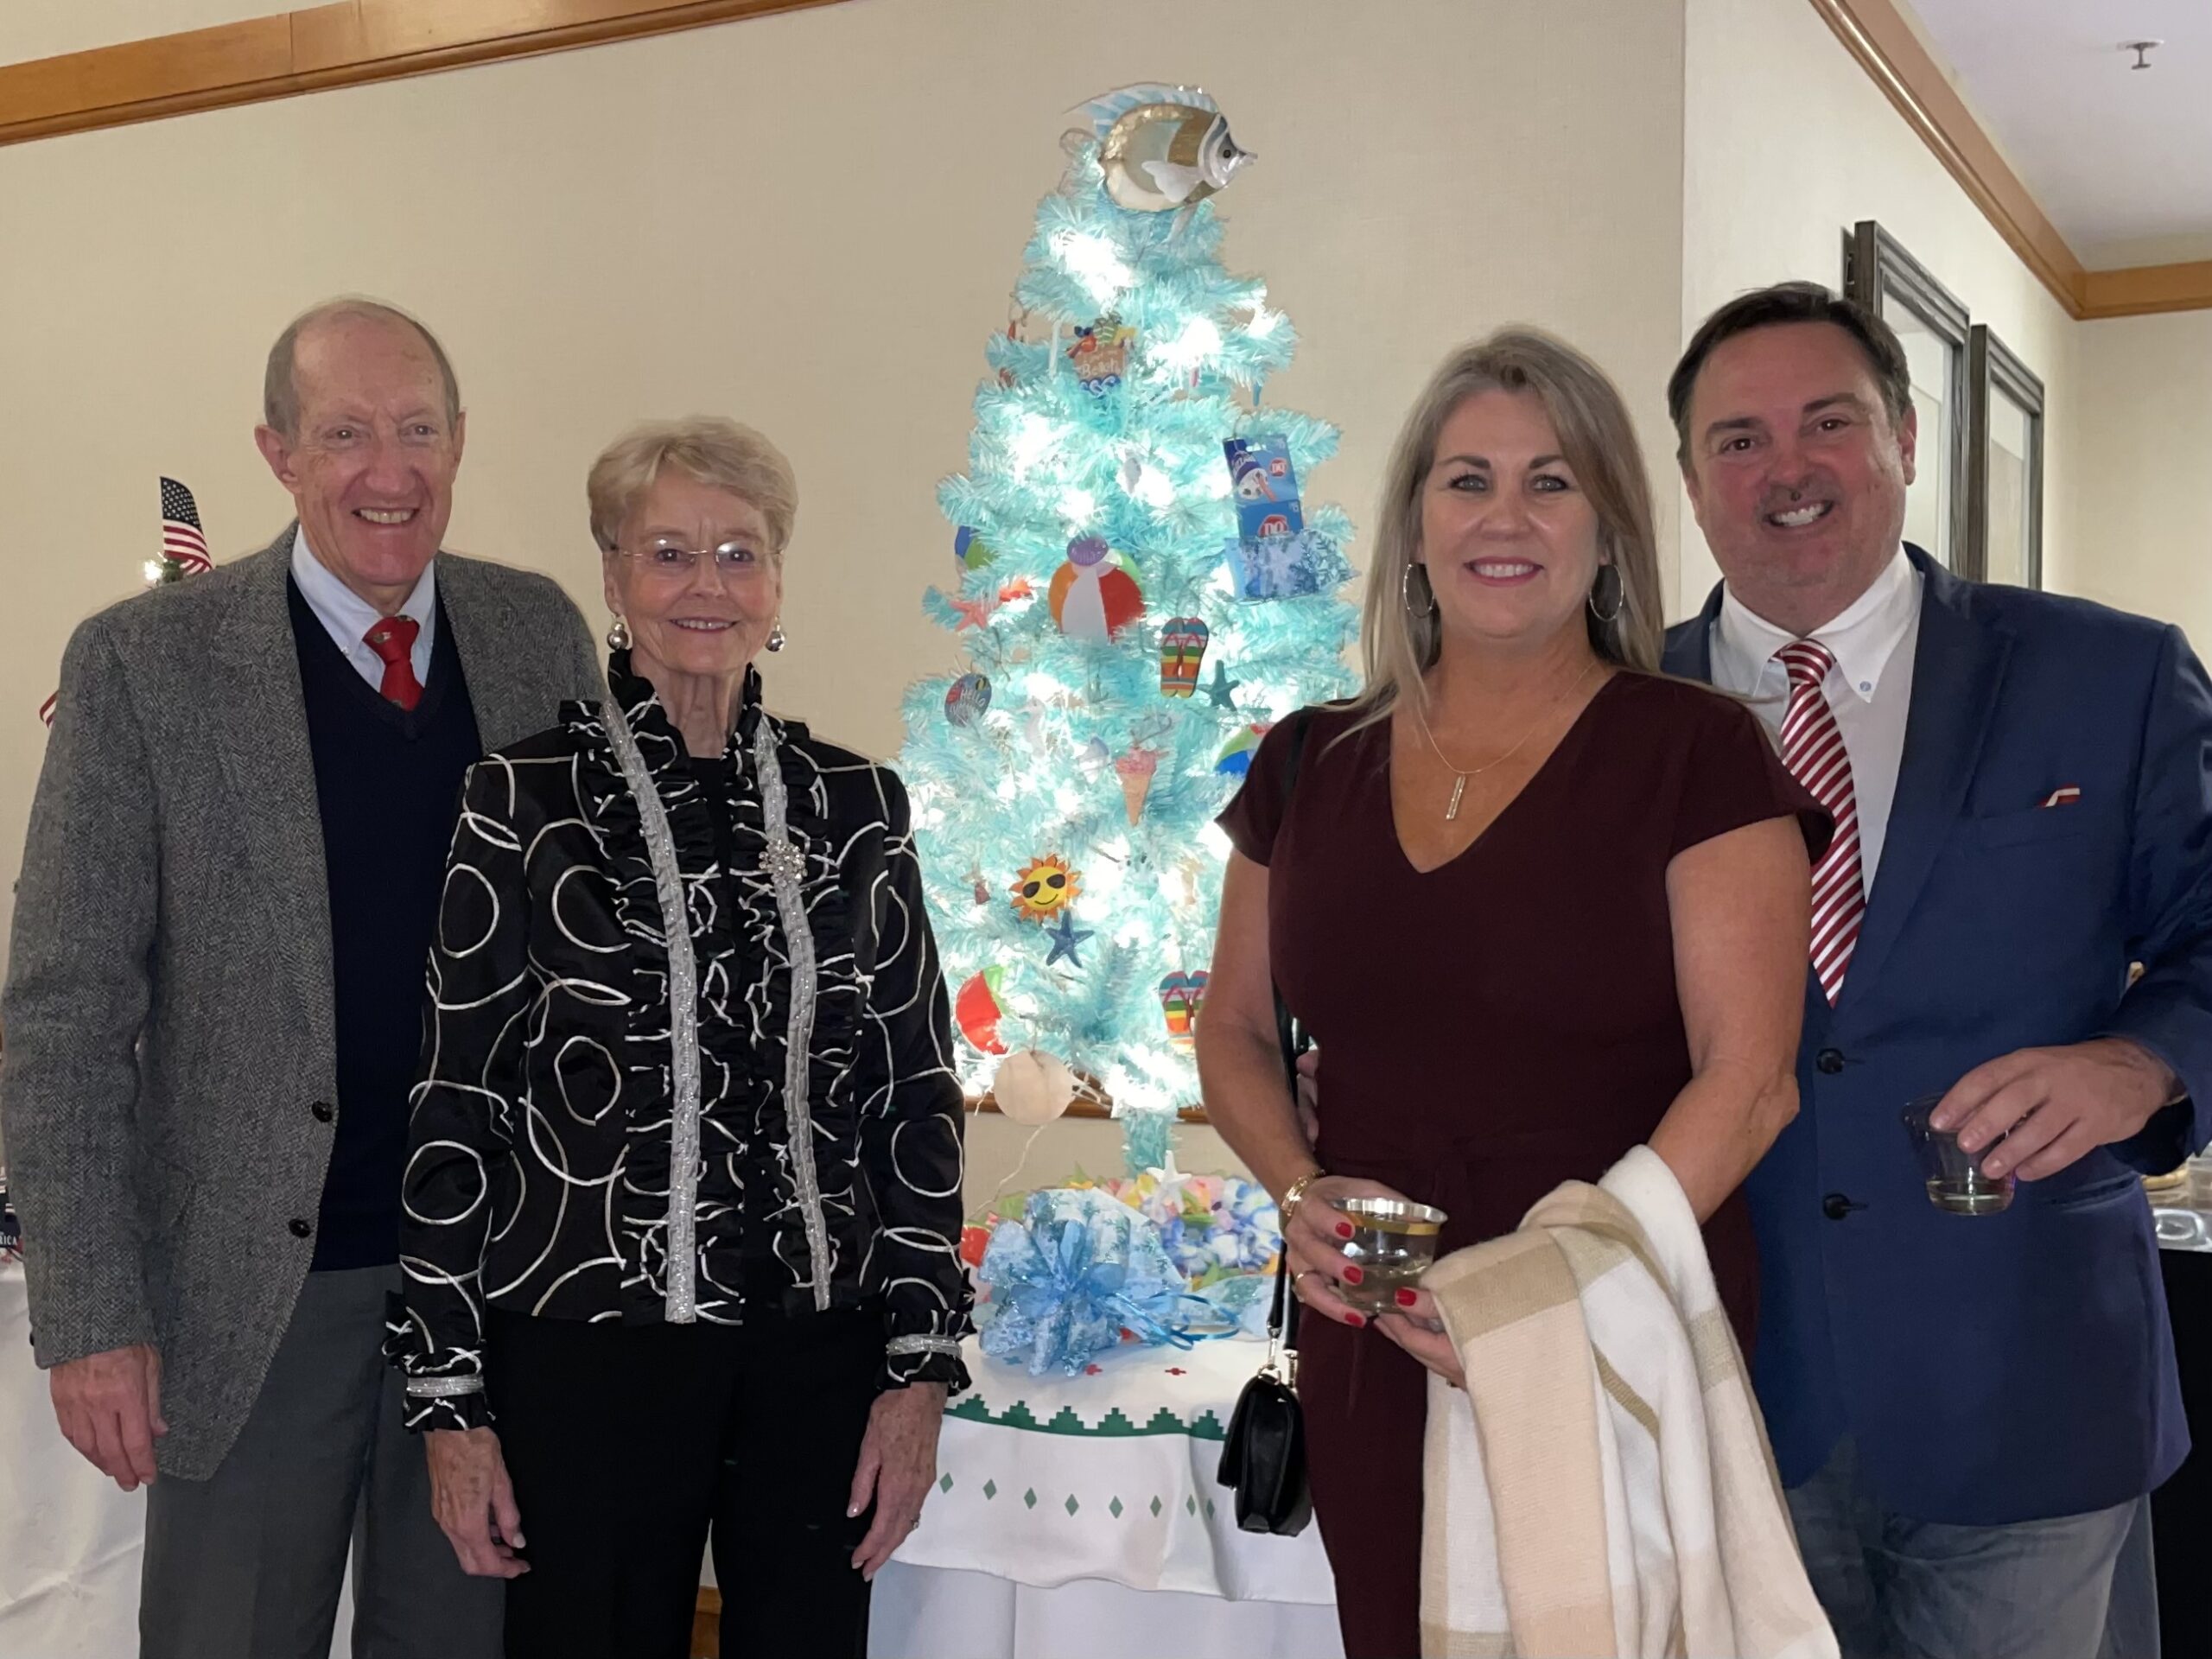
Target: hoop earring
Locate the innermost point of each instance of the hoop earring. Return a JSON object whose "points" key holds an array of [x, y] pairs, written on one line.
{"points": [[777, 638], [617, 635], [1607, 596], [1406, 590]]}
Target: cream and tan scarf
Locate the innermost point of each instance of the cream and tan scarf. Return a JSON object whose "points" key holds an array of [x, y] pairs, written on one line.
{"points": [[1603, 1487]]}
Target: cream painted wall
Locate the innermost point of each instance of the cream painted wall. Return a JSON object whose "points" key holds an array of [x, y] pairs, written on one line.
{"points": [[46, 29], [2141, 508], [1786, 144]]}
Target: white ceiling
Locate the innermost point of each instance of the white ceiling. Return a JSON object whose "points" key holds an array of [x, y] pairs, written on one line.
{"points": [[2120, 161]]}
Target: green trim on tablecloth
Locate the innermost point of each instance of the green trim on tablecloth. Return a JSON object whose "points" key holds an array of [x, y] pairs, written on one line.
{"points": [[1112, 1426]]}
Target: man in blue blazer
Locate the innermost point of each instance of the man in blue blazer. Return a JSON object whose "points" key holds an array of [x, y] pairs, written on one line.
{"points": [[1969, 1411]]}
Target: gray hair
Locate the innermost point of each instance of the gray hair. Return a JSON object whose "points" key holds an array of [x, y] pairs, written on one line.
{"points": [[1598, 441], [280, 386], [715, 451]]}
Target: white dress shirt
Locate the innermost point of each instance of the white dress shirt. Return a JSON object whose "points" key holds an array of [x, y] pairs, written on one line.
{"points": [[348, 617], [1869, 688]]}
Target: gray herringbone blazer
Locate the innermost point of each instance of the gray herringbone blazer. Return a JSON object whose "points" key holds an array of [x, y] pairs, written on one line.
{"points": [[168, 1002]]}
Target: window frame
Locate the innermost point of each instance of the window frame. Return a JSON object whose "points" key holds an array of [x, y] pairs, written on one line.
{"points": [[1994, 370], [1878, 272]]}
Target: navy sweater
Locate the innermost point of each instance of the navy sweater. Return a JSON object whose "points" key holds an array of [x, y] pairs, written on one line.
{"points": [[388, 784]]}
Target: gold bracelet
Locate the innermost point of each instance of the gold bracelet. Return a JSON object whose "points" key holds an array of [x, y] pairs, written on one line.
{"points": [[1295, 1194]]}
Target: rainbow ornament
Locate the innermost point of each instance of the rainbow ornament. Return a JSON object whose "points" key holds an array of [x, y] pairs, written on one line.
{"points": [[1235, 757], [968, 550]]}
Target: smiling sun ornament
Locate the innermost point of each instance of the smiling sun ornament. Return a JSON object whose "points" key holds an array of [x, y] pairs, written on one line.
{"points": [[1045, 888]]}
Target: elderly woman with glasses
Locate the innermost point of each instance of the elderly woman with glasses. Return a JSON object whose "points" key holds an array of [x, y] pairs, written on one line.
{"points": [[683, 1205]]}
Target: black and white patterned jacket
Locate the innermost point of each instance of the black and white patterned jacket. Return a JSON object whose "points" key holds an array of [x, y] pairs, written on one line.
{"points": [[538, 1172]]}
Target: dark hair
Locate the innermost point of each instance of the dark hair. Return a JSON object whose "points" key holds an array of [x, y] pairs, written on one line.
{"points": [[1791, 302]]}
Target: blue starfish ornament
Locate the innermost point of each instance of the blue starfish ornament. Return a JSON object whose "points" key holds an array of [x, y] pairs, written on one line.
{"points": [[1066, 941], [1222, 686]]}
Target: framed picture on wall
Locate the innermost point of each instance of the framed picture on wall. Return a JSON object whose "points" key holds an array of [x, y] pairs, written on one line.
{"points": [[1933, 327], [2005, 449]]}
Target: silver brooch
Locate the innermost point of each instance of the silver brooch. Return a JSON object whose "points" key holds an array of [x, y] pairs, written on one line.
{"points": [[785, 858]]}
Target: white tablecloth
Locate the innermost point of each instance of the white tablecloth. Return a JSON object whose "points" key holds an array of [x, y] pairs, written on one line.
{"points": [[70, 1539], [1078, 1518]]}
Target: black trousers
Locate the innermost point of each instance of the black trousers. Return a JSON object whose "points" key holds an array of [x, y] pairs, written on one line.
{"points": [[627, 1444]]}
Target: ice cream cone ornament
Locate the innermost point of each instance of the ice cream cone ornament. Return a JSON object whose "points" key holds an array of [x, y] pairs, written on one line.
{"points": [[1135, 768]]}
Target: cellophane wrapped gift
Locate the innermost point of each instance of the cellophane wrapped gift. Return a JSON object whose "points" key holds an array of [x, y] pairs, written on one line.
{"points": [[1076, 1272]]}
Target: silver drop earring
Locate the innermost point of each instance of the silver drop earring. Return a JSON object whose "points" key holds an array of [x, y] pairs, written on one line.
{"points": [[617, 635], [777, 638], [1607, 596], [1406, 590]]}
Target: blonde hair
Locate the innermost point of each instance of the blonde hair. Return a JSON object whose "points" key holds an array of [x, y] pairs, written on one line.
{"points": [[713, 451], [1598, 442]]}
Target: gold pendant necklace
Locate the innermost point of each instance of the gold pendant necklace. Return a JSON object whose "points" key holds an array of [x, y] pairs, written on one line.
{"points": [[1459, 775]]}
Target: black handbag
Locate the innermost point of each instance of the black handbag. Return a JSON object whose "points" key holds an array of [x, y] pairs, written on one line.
{"points": [[1263, 1455]]}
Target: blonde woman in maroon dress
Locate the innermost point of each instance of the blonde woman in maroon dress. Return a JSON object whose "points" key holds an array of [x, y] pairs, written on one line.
{"points": [[1536, 904]]}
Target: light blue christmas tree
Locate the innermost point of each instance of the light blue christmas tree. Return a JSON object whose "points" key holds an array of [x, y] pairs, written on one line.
{"points": [[1125, 644]]}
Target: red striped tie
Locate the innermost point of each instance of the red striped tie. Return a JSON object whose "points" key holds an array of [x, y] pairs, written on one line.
{"points": [[1812, 747]]}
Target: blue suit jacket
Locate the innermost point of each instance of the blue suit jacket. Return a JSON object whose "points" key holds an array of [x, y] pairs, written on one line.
{"points": [[2011, 1367]]}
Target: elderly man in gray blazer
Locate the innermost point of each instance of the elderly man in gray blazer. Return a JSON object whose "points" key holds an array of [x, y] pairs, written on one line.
{"points": [[213, 1009]]}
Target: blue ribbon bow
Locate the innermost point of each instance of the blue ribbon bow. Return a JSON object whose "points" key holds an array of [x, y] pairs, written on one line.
{"points": [[1078, 1270]]}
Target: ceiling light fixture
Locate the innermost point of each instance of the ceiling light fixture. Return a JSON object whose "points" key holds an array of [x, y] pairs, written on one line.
{"points": [[2142, 50]]}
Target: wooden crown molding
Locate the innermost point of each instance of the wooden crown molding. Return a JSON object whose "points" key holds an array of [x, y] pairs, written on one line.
{"points": [[2143, 290], [1875, 34], [348, 44]]}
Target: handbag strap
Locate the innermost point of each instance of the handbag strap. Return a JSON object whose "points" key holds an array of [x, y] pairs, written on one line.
{"points": [[1282, 1309]]}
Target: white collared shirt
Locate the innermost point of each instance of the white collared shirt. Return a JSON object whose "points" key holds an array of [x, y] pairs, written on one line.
{"points": [[347, 617], [1869, 688]]}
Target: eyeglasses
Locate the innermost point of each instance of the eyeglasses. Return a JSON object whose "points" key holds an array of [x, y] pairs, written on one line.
{"points": [[732, 560]]}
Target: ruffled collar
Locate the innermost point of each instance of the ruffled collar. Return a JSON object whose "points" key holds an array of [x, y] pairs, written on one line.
{"points": [[648, 718]]}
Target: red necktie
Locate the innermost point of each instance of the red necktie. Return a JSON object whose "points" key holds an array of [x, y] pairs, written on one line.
{"points": [[393, 639], [1812, 747]]}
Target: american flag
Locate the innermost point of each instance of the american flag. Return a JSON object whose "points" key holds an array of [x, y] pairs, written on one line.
{"points": [[184, 553], [182, 539]]}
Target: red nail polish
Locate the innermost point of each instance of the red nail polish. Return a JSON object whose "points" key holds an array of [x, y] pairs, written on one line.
{"points": [[1355, 1320], [1353, 1275], [1343, 1230], [1405, 1299]]}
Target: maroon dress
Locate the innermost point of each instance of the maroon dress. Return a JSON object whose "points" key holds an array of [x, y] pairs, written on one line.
{"points": [[1488, 1030]]}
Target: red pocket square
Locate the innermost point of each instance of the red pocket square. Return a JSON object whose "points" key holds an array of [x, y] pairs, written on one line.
{"points": [[2065, 796]]}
